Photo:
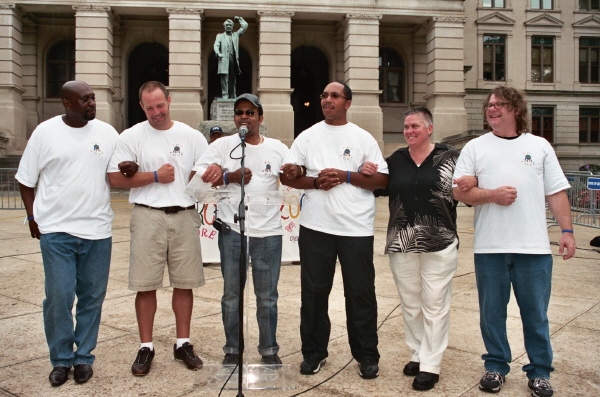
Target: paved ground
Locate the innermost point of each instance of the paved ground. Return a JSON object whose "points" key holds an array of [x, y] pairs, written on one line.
{"points": [[24, 364]]}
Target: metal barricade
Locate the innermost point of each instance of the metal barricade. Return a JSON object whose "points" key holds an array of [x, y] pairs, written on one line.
{"points": [[584, 199], [10, 197]]}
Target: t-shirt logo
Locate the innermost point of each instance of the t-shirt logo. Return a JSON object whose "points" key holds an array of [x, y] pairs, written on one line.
{"points": [[346, 155], [96, 149], [267, 169], [527, 160], [176, 150]]}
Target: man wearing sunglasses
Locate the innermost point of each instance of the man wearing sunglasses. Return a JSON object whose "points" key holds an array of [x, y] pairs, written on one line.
{"points": [[516, 171], [264, 158], [336, 223], [164, 220]]}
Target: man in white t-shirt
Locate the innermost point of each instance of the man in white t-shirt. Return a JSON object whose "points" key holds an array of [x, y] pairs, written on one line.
{"points": [[515, 171], [164, 220], [66, 158], [338, 211], [264, 158]]}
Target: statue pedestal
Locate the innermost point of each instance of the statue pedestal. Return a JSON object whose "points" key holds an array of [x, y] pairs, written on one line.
{"points": [[222, 109], [221, 114]]}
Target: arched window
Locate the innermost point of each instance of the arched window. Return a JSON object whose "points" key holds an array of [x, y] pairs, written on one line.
{"points": [[391, 76], [60, 66]]}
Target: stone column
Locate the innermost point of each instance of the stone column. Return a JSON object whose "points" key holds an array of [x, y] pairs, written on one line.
{"points": [[119, 91], [361, 64], [445, 76], [94, 56], [185, 82], [274, 83], [30, 74], [12, 120]]}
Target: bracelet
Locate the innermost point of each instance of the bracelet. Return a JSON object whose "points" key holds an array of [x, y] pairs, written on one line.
{"points": [[155, 176], [225, 178], [302, 170], [348, 180], [315, 183], [30, 218], [567, 231]]}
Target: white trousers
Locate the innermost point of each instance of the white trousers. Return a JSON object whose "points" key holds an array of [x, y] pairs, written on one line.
{"points": [[424, 283]]}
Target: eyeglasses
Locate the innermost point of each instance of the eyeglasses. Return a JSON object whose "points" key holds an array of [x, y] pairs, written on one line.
{"points": [[239, 112], [334, 95], [497, 105]]}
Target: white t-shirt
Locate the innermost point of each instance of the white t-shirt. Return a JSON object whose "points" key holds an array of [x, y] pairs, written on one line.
{"points": [[345, 210], [68, 165], [265, 161], [527, 163], [181, 146]]}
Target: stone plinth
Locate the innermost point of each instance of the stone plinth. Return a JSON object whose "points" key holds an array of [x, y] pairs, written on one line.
{"points": [[222, 109]]}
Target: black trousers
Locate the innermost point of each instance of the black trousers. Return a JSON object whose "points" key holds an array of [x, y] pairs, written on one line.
{"points": [[318, 254]]}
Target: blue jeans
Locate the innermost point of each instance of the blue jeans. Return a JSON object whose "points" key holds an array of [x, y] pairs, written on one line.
{"points": [[265, 255], [73, 267], [531, 279]]}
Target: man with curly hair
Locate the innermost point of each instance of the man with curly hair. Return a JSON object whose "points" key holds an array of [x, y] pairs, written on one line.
{"points": [[515, 171]]}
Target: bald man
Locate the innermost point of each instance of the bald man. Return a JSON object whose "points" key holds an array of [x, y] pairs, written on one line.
{"points": [[66, 158]]}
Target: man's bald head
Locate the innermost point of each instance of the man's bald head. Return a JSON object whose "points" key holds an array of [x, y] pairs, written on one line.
{"points": [[71, 88], [79, 101]]}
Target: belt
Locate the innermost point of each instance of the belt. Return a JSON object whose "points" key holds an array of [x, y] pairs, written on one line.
{"points": [[168, 210]]}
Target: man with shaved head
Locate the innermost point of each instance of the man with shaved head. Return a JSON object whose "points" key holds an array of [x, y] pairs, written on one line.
{"points": [[66, 158]]}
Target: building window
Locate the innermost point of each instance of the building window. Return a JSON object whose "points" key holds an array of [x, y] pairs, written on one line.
{"points": [[60, 66], [589, 52], [589, 125], [542, 5], [589, 5], [391, 76], [493, 3], [542, 59], [494, 67], [542, 122]]}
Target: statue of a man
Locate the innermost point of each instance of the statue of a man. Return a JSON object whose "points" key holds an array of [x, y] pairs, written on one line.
{"points": [[227, 47]]}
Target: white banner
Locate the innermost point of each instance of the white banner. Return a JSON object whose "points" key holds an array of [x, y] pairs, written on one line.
{"points": [[287, 199]]}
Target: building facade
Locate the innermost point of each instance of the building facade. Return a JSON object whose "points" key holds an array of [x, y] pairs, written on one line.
{"points": [[394, 54]]}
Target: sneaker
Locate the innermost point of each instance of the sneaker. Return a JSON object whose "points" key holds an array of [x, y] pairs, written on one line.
{"points": [[186, 354], [425, 381], [271, 359], [143, 362], [368, 369], [491, 382], [540, 387], [311, 365], [231, 359], [411, 368]]}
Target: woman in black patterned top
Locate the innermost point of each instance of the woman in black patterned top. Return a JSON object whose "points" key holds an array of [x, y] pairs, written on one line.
{"points": [[422, 242]]}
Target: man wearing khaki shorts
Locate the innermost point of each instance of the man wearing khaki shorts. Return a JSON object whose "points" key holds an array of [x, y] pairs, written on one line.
{"points": [[164, 221]]}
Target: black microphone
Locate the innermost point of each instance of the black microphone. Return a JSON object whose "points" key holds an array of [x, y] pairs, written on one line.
{"points": [[243, 131]]}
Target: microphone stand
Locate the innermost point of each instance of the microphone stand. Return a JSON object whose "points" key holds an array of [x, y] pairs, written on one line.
{"points": [[241, 217]]}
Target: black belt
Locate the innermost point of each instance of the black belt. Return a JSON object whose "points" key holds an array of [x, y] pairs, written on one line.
{"points": [[168, 210]]}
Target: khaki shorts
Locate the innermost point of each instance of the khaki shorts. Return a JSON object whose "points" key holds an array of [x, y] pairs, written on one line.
{"points": [[159, 239]]}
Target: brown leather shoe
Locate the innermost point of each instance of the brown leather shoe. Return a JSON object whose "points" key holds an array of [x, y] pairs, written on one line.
{"points": [[82, 373], [143, 362], [186, 354], [59, 375]]}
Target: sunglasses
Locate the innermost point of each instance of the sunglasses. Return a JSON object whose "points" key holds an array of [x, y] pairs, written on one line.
{"points": [[334, 95], [239, 112]]}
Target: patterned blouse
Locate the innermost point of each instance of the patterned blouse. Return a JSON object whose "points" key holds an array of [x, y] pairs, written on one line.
{"points": [[422, 207]]}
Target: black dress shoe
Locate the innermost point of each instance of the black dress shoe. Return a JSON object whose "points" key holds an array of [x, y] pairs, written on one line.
{"points": [[425, 381], [59, 375], [82, 373], [411, 369]]}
